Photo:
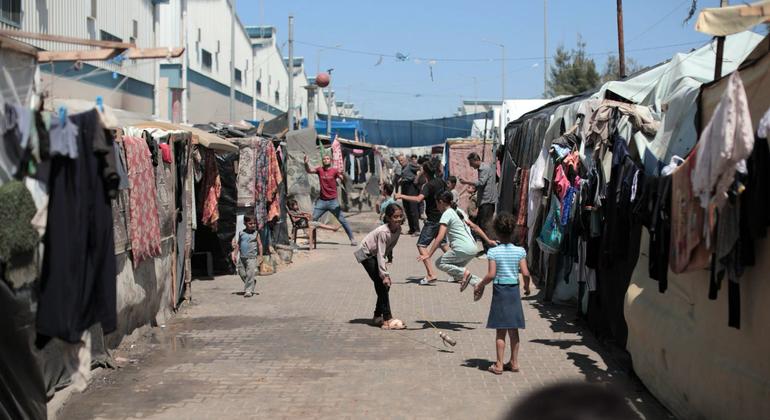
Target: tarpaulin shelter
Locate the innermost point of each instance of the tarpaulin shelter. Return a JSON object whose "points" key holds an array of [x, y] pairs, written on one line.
{"points": [[455, 158], [345, 129], [413, 133]]}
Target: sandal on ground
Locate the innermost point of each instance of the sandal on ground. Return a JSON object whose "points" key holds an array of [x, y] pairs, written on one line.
{"points": [[509, 367], [427, 282], [494, 370], [388, 326]]}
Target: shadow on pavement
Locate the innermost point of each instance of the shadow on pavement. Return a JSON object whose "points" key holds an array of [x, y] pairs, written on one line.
{"points": [[363, 321], [480, 364]]}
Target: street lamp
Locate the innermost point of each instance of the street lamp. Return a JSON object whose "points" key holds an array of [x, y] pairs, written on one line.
{"points": [[502, 92], [318, 56]]}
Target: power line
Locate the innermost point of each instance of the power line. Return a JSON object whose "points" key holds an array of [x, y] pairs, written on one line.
{"points": [[480, 60]]}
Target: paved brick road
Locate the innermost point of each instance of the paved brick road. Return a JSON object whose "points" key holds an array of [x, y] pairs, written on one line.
{"points": [[303, 348]]}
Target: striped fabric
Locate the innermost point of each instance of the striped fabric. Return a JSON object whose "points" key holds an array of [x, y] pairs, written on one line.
{"points": [[506, 258]]}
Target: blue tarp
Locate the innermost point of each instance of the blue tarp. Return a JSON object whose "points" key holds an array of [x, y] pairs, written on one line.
{"points": [[344, 129], [405, 133]]}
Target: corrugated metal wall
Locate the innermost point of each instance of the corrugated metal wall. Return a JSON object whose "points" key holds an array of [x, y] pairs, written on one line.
{"points": [[71, 18]]}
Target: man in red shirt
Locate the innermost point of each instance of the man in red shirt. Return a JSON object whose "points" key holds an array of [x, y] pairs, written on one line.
{"points": [[327, 201]]}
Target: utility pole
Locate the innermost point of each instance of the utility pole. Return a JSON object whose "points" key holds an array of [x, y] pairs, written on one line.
{"points": [[232, 62], [720, 48], [185, 60], [329, 100], [545, 47], [291, 73], [502, 96], [621, 46]]}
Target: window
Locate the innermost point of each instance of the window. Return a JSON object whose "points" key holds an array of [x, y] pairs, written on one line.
{"points": [[205, 59], [10, 12], [277, 98], [259, 87], [238, 77], [106, 36]]}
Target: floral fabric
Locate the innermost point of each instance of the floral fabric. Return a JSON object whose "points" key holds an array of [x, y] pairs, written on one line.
{"points": [[143, 211]]}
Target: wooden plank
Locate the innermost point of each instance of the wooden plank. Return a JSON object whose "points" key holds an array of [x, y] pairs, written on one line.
{"points": [[65, 39], [139, 53], [18, 46], [83, 55], [108, 53]]}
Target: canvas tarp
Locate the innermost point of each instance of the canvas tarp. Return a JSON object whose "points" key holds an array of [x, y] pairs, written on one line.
{"points": [[456, 163], [412, 133], [721, 21]]}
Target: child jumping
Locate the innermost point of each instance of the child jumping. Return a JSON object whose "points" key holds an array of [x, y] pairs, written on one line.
{"points": [[371, 255], [249, 246], [506, 262], [462, 246]]}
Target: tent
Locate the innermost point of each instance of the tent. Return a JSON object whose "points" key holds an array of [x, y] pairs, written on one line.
{"points": [[455, 159]]}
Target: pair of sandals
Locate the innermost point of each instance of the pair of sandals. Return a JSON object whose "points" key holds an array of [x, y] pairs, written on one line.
{"points": [[388, 325], [506, 367], [477, 294]]}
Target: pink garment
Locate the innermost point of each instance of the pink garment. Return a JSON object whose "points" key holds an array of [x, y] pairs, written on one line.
{"points": [[143, 219], [725, 143], [561, 183], [688, 249], [165, 152], [337, 159]]}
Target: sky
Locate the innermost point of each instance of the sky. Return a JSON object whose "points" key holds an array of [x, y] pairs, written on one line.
{"points": [[459, 42]]}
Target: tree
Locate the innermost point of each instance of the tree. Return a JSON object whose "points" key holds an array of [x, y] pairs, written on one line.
{"points": [[612, 68], [572, 71]]}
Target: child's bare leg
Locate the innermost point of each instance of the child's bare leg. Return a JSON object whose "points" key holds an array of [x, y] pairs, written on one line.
{"points": [[327, 227], [514, 336], [427, 262], [500, 348]]}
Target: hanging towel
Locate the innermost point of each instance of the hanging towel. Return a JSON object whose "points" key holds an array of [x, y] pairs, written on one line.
{"points": [[143, 211]]}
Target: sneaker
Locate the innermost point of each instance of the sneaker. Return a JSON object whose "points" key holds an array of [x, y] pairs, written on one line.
{"points": [[248, 294], [378, 320], [426, 282]]}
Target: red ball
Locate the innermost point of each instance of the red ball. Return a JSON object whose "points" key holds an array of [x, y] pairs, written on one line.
{"points": [[322, 79]]}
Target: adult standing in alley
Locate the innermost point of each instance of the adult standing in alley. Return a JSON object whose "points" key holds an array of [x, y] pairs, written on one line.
{"points": [[408, 187], [327, 200], [486, 192]]}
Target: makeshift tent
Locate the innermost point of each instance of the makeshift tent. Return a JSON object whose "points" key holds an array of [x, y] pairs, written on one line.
{"points": [[412, 133], [455, 159]]}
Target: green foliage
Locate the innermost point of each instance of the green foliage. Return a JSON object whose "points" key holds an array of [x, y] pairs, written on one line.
{"points": [[612, 69], [572, 72]]}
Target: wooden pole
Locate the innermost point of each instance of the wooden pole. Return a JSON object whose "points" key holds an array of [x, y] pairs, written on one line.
{"points": [[621, 46], [720, 49]]}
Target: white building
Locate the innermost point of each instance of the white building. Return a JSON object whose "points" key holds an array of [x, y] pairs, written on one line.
{"points": [[194, 88]]}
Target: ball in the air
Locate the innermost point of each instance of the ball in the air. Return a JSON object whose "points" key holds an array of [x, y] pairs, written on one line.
{"points": [[322, 80]]}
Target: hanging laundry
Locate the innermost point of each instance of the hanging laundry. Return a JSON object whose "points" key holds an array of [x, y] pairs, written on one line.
{"points": [[18, 237], [261, 181], [73, 297], [688, 249], [247, 171], [120, 160], [211, 188], [165, 152], [272, 196], [724, 145], [143, 211], [63, 135], [337, 159]]}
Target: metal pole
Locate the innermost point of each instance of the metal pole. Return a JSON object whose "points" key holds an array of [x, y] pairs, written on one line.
{"points": [[232, 61], [329, 106], [720, 49], [545, 47], [484, 144], [621, 47], [156, 67], [291, 73], [185, 61], [502, 96]]}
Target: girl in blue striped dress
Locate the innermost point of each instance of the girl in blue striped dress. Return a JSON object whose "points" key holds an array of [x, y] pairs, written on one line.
{"points": [[506, 262]]}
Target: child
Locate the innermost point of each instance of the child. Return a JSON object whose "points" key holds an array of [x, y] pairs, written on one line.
{"points": [[451, 184], [249, 247], [462, 246], [304, 220], [506, 262], [386, 198], [371, 255]]}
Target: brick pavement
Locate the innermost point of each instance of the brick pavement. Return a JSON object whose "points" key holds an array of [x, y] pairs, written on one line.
{"points": [[303, 348]]}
